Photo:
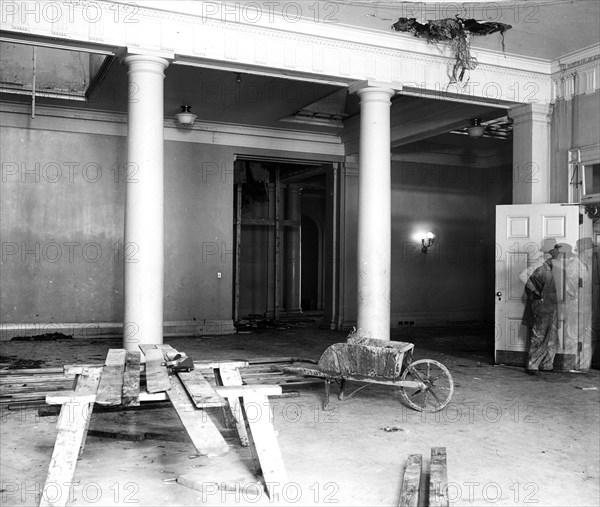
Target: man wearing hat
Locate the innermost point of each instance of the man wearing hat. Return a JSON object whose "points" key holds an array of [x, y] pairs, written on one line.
{"points": [[541, 312]]}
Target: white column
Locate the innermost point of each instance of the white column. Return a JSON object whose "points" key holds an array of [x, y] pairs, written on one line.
{"points": [[144, 203], [531, 154], [374, 213]]}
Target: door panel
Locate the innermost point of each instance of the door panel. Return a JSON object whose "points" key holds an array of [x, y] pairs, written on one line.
{"points": [[520, 230]]}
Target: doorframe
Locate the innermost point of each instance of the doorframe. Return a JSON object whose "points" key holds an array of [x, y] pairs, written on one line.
{"points": [[324, 167]]}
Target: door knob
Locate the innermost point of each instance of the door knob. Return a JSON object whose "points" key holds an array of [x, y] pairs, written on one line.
{"points": [[499, 295]]}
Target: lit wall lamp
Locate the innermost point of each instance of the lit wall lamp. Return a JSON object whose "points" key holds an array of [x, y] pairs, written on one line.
{"points": [[427, 239], [186, 117], [476, 129]]}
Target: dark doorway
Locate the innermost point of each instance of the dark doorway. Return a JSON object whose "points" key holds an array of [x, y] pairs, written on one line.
{"points": [[310, 265]]}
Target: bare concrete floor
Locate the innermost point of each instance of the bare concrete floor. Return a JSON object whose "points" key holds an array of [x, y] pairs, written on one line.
{"points": [[511, 439]]}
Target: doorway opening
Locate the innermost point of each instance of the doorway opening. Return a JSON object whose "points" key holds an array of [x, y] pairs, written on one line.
{"points": [[280, 221]]}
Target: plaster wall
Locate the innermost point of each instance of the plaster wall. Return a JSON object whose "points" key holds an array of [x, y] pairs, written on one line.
{"points": [[62, 205], [453, 282], [575, 124]]}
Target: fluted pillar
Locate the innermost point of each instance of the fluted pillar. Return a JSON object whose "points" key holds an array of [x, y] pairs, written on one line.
{"points": [[144, 203], [374, 213]]}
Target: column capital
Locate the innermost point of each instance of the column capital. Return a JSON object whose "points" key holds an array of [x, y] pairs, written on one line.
{"points": [[531, 112], [151, 63], [373, 86]]}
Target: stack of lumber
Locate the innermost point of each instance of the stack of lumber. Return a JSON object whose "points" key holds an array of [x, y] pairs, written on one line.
{"points": [[28, 387]]}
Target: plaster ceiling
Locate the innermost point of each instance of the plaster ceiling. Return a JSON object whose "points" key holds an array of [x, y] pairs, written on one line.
{"points": [[546, 29]]}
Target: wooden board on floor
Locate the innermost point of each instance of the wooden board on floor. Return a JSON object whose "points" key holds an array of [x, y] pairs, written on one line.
{"points": [[157, 377], [409, 494], [204, 434], [202, 394], [111, 382], [73, 423], [438, 478], [230, 376], [131, 379], [263, 439]]}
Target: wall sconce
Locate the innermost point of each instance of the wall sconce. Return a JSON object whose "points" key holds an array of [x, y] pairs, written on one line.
{"points": [[427, 239], [476, 129], [186, 117]]}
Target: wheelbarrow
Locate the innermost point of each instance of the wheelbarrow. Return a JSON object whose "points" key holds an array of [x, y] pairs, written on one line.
{"points": [[425, 385]]}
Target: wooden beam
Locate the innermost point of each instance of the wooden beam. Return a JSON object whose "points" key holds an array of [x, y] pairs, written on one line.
{"points": [[409, 494], [131, 379], [438, 478], [263, 440], [204, 434], [230, 376], [157, 377], [249, 390], [201, 392], [61, 397], [73, 423], [111, 382]]}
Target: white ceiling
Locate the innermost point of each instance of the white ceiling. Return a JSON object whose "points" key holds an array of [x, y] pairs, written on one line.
{"points": [[546, 29]]}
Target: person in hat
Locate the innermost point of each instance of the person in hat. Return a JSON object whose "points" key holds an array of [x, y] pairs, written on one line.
{"points": [[541, 312]]}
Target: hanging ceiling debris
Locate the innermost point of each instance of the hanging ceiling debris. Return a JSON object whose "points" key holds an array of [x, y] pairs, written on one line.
{"points": [[457, 33]]}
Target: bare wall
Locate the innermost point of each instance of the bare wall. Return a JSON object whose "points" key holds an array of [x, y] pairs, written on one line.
{"points": [[453, 282], [62, 205]]}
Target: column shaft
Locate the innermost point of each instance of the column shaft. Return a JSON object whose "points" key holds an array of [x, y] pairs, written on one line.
{"points": [[374, 214], [144, 203]]}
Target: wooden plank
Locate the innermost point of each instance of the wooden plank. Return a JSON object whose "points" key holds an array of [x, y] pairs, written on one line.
{"points": [[202, 394], [241, 391], [157, 377], [145, 396], [30, 371], [73, 423], [111, 382], [60, 397], [230, 376], [145, 347], [438, 478], [257, 415], [88, 381], [198, 424], [211, 365], [409, 494], [131, 379]]}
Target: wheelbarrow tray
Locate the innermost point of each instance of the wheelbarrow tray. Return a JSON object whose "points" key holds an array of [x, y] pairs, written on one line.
{"points": [[313, 370], [361, 360]]}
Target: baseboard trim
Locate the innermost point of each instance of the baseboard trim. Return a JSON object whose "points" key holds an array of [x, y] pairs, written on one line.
{"points": [[114, 329]]}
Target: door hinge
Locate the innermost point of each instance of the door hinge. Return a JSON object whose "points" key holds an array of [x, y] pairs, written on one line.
{"points": [[580, 282], [580, 218]]}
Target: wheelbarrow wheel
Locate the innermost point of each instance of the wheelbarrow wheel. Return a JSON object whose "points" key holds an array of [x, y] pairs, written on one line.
{"points": [[438, 390]]}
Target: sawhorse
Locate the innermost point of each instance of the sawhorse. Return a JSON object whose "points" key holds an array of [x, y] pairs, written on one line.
{"points": [[118, 383]]}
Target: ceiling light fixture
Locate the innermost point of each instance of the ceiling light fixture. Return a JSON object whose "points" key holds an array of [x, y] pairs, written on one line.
{"points": [[476, 129], [186, 117]]}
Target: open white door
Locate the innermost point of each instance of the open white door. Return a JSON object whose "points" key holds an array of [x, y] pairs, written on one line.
{"points": [[520, 230]]}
